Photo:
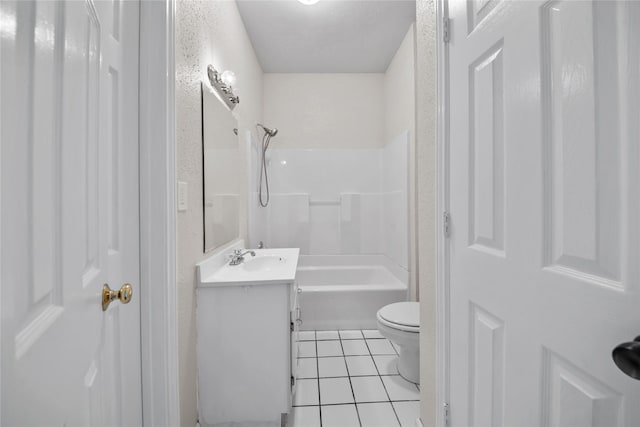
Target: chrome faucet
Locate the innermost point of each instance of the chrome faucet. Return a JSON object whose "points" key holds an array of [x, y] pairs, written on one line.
{"points": [[238, 256]]}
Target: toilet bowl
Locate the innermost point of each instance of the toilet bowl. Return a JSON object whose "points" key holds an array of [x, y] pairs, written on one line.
{"points": [[400, 323]]}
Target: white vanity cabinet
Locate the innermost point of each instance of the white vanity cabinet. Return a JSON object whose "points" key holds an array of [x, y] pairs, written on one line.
{"points": [[246, 349]]}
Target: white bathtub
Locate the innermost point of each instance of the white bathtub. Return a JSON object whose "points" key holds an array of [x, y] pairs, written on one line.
{"points": [[346, 291]]}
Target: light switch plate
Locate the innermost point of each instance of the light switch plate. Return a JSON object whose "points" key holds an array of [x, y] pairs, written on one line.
{"points": [[183, 201]]}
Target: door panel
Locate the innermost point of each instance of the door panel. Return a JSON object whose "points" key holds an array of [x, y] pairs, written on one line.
{"points": [[486, 152], [544, 201], [69, 213], [572, 397], [582, 193]]}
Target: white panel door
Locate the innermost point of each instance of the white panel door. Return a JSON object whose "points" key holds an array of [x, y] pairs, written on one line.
{"points": [[544, 200], [69, 176]]}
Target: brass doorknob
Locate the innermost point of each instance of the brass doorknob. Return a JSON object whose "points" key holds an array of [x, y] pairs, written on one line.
{"points": [[124, 295]]}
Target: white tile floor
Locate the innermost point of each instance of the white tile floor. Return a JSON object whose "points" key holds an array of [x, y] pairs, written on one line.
{"points": [[350, 379]]}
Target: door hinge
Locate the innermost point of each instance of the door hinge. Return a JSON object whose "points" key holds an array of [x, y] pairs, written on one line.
{"points": [[446, 223], [445, 408], [445, 30], [293, 381], [290, 326]]}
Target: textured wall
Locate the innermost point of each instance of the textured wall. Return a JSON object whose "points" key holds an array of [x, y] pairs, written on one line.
{"points": [[400, 116], [325, 110], [207, 32], [426, 201]]}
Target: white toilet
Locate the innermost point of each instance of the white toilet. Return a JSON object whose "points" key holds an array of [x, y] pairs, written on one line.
{"points": [[400, 323]]}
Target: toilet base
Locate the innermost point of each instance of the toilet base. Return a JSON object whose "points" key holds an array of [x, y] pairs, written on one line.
{"points": [[409, 363], [408, 345]]}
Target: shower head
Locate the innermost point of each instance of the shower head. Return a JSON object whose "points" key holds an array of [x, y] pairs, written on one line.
{"points": [[269, 131]]}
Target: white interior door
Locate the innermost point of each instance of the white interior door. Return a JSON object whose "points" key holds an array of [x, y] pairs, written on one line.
{"points": [[70, 223], [544, 200]]}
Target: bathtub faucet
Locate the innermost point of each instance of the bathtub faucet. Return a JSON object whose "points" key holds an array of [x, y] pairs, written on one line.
{"points": [[238, 256]]}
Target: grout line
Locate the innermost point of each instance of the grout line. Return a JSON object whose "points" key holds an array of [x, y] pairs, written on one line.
{"points": [[355, 404], [355, 376], [383, 385], [395, 352], [318, 379], [346, 404], [347, 355], [329, 357]]}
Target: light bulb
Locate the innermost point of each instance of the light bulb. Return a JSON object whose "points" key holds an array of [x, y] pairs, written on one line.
{"points": [[308, 2], [228, 78]]}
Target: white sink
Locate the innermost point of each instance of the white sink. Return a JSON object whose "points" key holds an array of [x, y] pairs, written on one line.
{"points": [[268, 266], [263, 263]]}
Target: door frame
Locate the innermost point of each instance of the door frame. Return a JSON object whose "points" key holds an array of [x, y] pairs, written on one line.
{"points": [[158, 290], [442, 209]]}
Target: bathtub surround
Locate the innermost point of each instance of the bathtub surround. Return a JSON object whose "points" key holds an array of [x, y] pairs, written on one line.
{"points": [[337, 121], [340, 201], [395, 199], [207, 32], [257, 223]]}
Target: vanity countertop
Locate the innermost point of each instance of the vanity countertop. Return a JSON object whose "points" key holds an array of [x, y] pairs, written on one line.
{"points": [[268, 266]]}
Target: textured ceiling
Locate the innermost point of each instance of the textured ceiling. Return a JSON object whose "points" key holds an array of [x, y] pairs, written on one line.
{"points": [[331, 36]]}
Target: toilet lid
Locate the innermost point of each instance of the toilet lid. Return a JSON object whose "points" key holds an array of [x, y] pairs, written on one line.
{"points": [[401, 313]]}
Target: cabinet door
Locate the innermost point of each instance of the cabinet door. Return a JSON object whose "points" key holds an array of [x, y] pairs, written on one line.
{"points": [[295, 325]]}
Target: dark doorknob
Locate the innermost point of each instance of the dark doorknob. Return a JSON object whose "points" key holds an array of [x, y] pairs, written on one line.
{"points": [[627, 358]]}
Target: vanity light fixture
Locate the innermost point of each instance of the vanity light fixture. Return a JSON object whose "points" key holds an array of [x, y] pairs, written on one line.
{"points": [[308, 2], [228, 78], [222, 83]]}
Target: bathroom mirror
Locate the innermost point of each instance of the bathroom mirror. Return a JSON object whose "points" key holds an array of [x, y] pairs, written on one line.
{"points": [[221, 162]]}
